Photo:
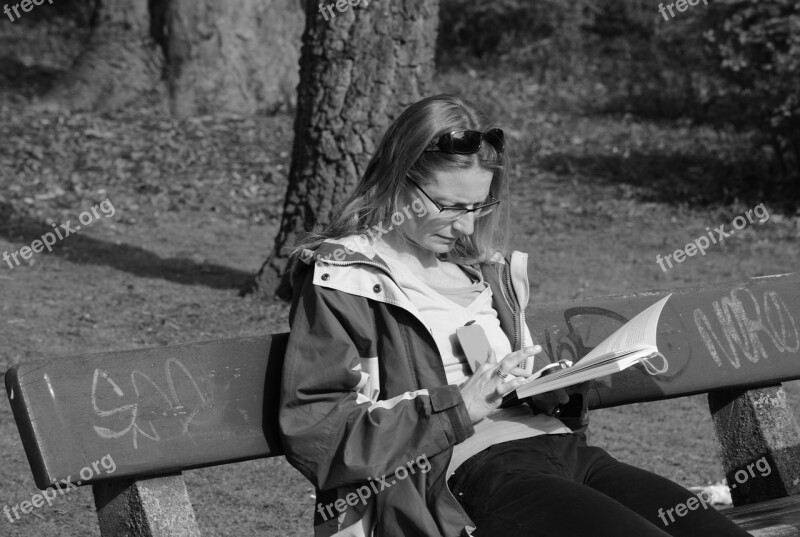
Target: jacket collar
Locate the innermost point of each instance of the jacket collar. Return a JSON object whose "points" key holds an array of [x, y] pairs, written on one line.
{"points": [[332, 259]]}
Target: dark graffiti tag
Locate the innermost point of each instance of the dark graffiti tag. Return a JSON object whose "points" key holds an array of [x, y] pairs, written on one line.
{"points": [[587, 327]]}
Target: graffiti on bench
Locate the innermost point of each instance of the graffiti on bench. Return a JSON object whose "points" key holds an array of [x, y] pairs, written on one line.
{"points": [[742, 322], [741, 331], [582, 336], [702, 332], [176, 407], [587, 327]]}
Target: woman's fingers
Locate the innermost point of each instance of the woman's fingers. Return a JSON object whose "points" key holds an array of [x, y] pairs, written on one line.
{"points": [[493, 379], [492, 357], [503, 376], [519, 372], [516, 360], [507, 387]]}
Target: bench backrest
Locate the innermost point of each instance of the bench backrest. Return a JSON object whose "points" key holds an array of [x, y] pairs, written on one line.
{"points": [[154, 410], [187, 406], [729, 335]]}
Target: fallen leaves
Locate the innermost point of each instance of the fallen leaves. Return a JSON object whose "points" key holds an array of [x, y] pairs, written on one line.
{"points": [[52, 166]]}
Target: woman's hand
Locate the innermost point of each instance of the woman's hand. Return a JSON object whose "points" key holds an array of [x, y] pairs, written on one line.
{"points": [[547, 402], [484, 390]]}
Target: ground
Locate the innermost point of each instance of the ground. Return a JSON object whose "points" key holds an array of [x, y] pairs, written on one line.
{"points": [[595, 197]]}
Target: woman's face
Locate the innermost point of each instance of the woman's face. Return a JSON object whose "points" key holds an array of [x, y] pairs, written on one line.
{"points": [[465, 188]]}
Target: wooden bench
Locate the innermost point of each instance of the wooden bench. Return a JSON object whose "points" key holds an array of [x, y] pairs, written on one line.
{"points": [[161, 411]]}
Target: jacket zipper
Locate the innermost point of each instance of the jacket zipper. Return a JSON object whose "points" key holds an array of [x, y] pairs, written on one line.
{"points": [[517, 326], [342, 263], [522, 332]]}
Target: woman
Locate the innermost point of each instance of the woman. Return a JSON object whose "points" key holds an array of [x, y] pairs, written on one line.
{"points": [[375, 383]]}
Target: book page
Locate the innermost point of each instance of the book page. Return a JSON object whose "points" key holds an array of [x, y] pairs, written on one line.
{"points": [[629, 344], [552, 382], [638, 332]]}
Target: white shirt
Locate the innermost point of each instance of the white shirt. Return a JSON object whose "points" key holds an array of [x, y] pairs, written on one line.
{"points": [[443, 316]]}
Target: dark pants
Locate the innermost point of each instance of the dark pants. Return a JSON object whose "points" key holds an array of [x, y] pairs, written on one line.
{"points": [[557, 486]]}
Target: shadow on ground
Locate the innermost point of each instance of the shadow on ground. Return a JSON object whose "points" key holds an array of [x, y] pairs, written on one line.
{"points": [[693, 180], [23, 80], [123, 257]]}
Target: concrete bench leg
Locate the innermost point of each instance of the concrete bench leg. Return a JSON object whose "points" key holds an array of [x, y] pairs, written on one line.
{"points": [[751, 424], [153, 507]]}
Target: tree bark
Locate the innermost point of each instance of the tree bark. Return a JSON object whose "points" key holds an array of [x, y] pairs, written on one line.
{"points": [[237, 56], [200, 56], [358, 71], [121, 62]]}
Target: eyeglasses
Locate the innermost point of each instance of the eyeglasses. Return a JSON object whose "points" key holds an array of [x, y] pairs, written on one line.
{"points": [[454, 213], [468, 142]]}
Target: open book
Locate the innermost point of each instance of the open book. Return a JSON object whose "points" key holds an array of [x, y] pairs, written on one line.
{"points": [[633, 342]]}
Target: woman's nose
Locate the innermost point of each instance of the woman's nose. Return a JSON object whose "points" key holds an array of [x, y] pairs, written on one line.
{"points": [[466, 224]]}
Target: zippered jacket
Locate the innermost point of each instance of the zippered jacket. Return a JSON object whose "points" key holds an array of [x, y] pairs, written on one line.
{"points": [[365, 398]]}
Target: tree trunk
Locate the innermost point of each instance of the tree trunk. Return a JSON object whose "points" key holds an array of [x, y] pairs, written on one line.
{"points": [[120, 63], [358, 71], [236, 56]]}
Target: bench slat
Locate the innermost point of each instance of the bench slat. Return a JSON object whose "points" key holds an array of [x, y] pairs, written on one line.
{"points": [[782, 516]]}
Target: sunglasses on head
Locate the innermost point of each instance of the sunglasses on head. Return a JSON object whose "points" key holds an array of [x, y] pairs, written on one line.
{"points": [[467, 142]]}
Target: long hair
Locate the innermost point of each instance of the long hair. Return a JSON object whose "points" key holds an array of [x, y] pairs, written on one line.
{"points": [[401, 154]]}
